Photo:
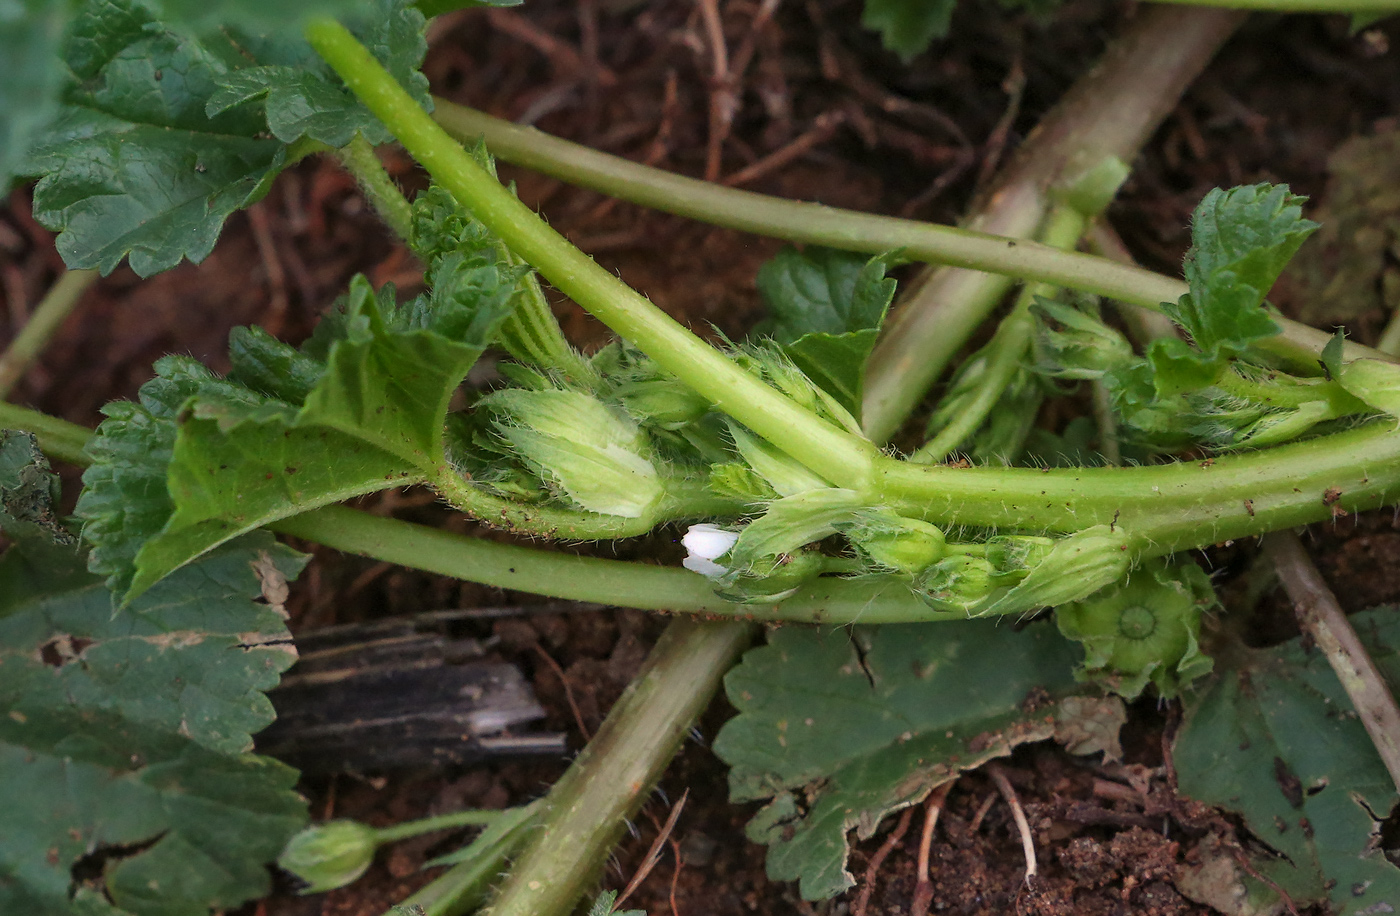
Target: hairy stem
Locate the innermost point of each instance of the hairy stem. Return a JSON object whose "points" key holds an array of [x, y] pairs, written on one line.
{"points": [[43, 323], [360, 160], [586, 810], [1111, 111], [1322, 618], [58, 438], [831, 452], [440, 822]]}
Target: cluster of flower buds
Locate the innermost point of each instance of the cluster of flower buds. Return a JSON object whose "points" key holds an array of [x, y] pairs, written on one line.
{"points": [[1074, 343]]}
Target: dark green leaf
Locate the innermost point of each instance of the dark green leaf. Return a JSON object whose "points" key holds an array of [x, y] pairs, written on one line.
{"points": [[201, 460], [151, 152], [827, 307], [126, 735], [1274, 739], [875, 718], [907, 27], [431, 8]]}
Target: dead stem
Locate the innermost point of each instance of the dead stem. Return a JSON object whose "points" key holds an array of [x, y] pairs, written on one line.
{"points": [[923, 890], [1004, 786], [654, 853], [1322, 618], [873, 869]]}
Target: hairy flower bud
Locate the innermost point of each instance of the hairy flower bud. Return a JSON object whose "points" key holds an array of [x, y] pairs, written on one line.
{"points": [[1073, 344], [785, 474], [773, 578], [329, 855], [906, 545], [1374, 381], [597, 454], [958, 583]]}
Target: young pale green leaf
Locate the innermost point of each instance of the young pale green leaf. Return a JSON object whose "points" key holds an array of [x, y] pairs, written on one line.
{"points": [[150, 152], [873, 719], [827, 307], [1241, 240], [201, 460], [1273, 738], [129, 732]]}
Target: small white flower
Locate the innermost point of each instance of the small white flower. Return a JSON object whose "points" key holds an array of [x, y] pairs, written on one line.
{"points": [[704, 544]]}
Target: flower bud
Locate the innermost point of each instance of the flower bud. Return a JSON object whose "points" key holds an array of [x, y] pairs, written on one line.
{"points": [[1145, 629], [1283, 425], [329, 855], [663, 402], [1017, 554], [905, 545], [958, 583], [597, 454], [1074, 568], [793, 522], [771, 579], [769, 363]]}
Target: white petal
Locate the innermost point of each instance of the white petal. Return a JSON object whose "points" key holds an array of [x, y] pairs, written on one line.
{"points": [[704, 567], [709, 542]]}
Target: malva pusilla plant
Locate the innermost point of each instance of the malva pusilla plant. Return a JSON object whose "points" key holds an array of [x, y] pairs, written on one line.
{"points": [[767, 457]]}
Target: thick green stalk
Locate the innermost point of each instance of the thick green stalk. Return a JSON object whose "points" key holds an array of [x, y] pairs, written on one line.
{"points": [[360, 160], [831, 452], [1165, 508], [43, 323], [1007, 349], [1109, 112], [586, 811]]}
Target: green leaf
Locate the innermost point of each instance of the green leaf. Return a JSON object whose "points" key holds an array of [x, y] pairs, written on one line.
{"points": [[431, 8], [124, 736], [1241, 241], [151, 152], [907, 27], [871, 720], [31, 34], [201, 460], [1274, 739], [827, 307]]}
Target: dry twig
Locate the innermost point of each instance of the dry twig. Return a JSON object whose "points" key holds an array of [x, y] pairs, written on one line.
{"points": [[654, 853], [1004, 786], [871, 870], [923, 890]]}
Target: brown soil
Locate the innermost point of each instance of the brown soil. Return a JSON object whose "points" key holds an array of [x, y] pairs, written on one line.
{"points": [[634, 79]]}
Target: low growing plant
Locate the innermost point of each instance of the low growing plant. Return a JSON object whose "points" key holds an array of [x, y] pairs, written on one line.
{"points": [[135, 651]]}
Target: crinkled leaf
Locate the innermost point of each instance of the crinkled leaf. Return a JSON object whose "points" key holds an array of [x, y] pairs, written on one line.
{"points": [[126, 734], [303, 98], [827, 307], [140, 164], [200, 459], [907, 27], [1273, 738], [1241, 240], [873, 719]]}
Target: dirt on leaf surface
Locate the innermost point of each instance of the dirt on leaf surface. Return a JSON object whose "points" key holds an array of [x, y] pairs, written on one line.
{"points": [[639, 79]]}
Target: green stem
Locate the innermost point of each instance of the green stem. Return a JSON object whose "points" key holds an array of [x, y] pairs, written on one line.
{"points": [[58, 438], [1007, 349], [1167, 507], [1291, 392], [466, 886], [798, 221], [43, 323], [360, 160], [440, 822], [830, 452], [1107, 423], [830, 600], [587, 809]]}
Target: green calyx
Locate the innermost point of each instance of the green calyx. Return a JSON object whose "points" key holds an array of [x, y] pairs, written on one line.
{"points": [[330, 855], [1145, 629]]}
